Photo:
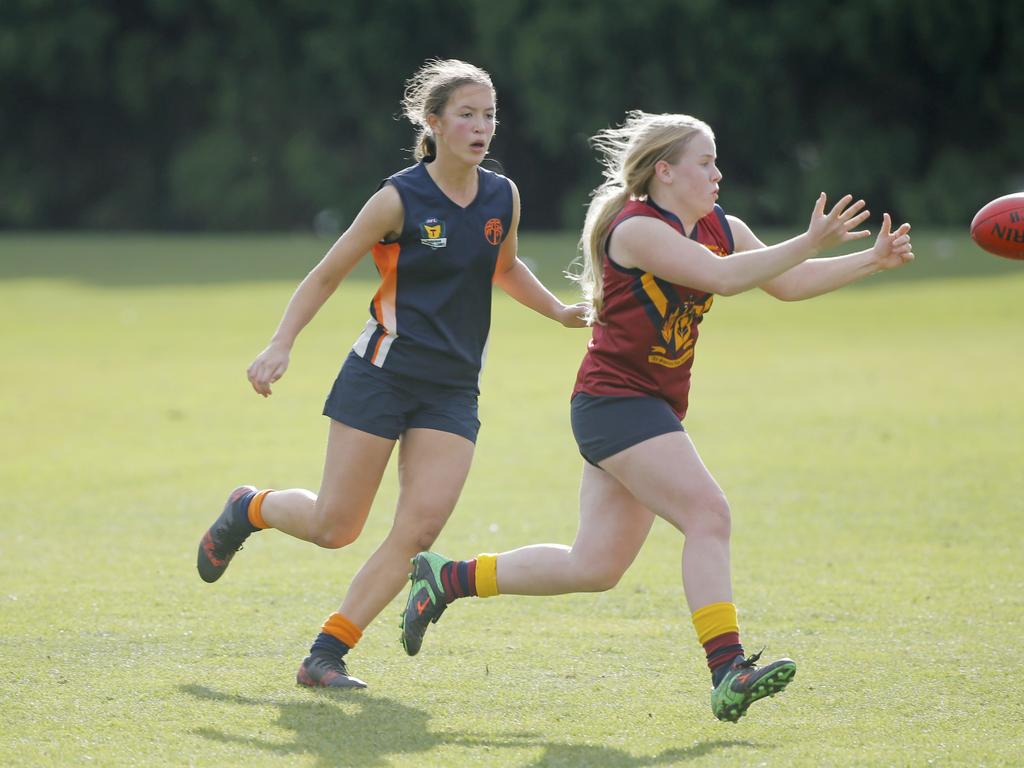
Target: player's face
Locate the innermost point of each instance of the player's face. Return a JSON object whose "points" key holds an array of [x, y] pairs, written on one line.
{"points": [[466, 125], [695, 175]]}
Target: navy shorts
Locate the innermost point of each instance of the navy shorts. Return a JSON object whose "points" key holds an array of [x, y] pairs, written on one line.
{"points": [[387, 404], [605, 425]]}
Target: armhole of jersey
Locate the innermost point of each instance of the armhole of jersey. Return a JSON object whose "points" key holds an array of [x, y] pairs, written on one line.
{"points": [[405, 207], [511, 204], [608, 257], [725, 227]]}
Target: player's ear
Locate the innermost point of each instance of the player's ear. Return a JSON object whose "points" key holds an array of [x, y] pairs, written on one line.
{"points": [[433, 123], [663, 171]]}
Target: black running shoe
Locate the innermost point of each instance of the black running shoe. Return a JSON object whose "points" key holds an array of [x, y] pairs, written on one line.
{"points": [[745, 683], [322, 670], [224, 537], [426, 600]]}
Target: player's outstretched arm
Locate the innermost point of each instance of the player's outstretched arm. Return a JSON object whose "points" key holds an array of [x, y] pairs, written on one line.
{"points": [[814, 277], [655, 247]]}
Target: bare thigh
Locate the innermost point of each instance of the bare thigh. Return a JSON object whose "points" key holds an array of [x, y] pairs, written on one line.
{"points": [[667, 475], [353, 469], [613, 526], [432, 470]]}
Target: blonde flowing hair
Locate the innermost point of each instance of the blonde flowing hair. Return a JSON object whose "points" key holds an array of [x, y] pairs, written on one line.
{"points": [[628, 154], [427, 92]]}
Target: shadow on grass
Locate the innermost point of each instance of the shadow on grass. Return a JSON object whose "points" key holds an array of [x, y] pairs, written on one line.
{"points": [[381, 728]]}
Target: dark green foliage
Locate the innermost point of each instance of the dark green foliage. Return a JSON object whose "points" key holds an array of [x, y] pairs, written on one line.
{"points": [[255, 114]]}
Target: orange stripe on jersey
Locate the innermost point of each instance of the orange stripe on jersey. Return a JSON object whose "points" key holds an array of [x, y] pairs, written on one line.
{"points": [[385, 256], [376, 348]]}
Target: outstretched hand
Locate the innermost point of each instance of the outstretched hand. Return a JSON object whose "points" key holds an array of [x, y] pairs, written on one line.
{"points": [[268, 367], [892, 248], [828, 230]]}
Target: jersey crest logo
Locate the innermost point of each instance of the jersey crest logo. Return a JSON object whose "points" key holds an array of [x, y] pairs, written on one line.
{"points": [[433, 233], [675, 323], [493, 231]]}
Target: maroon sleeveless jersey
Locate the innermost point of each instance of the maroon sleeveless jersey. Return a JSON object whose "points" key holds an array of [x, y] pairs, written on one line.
{"points": [[645, 345]]}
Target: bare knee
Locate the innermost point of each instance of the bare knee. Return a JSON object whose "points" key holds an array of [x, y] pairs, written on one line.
{"points": [[338, 524], [710, 517], [596, 576], [706, 515], [410, 538]]}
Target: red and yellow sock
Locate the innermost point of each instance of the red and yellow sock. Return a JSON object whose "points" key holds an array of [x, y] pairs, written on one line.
{"points": [[470, 578], [718, 631]]}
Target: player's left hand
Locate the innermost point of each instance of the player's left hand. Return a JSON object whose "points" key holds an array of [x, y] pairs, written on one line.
{"points": [[574, 315], [892, 248]]}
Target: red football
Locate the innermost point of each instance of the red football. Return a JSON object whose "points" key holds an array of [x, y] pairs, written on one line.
{"points": [[999, 226]]}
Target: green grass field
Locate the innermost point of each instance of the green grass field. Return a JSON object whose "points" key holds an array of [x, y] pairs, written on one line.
{"points": [[871, 443]]}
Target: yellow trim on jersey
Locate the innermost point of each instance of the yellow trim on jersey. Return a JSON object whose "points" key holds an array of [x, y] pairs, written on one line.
{"points": [[486, 575], [655, 293], [714, 620]]}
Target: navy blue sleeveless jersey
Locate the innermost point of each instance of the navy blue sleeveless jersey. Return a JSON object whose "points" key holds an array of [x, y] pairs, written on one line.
{"points": [[432, 313]]}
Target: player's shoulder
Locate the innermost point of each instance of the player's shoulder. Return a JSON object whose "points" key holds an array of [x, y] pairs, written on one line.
{"points": [[494, 177]]}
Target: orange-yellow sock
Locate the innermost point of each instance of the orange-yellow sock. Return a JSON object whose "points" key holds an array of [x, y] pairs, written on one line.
{"points": [[256, 509], [338, 635]]}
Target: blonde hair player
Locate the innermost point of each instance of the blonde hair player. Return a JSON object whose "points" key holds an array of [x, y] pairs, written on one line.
{"points": [[657, 248], [441, 232]]}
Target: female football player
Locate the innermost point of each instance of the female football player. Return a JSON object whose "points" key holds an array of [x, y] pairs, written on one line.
{"points": [[657, 248], [441, 233]]}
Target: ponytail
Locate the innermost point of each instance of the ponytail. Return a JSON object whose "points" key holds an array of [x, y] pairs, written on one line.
{"points": [[607, 201]]}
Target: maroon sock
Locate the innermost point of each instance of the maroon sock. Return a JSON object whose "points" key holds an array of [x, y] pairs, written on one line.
{"points": [[721, 650], [458, 579]]}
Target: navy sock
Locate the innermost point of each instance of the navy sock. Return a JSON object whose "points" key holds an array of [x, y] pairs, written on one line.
{"points": [[240, 513], [328, 644]]}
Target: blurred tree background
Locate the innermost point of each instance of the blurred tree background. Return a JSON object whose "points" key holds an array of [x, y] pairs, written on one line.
{"points": [[254, 114]]}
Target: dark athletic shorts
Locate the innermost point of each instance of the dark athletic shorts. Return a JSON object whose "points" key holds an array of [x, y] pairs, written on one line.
{"points": [[604, 425], [387, 404]]}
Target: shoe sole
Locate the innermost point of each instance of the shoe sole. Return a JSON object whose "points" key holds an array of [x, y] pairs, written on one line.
{"points": [[769, 685]]}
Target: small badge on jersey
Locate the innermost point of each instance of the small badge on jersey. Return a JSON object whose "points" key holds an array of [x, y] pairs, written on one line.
{"points": [[493, 231], [433, 233]]}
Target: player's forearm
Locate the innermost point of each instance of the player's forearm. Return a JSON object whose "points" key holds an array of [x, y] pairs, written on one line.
{"points": [[523, 286], [819, 276], [311, 294], [748, 269]]}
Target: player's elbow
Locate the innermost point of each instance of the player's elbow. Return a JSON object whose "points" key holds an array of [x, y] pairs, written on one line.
{"points": [[782, 293], [729, 283]]}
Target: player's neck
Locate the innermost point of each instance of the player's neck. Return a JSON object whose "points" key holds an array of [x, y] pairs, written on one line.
{"points": [[456, 179], [687, 217]]}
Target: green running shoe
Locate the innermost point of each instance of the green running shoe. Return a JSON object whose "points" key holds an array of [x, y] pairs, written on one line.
{"points": [[426, 600], [745, 683]]}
